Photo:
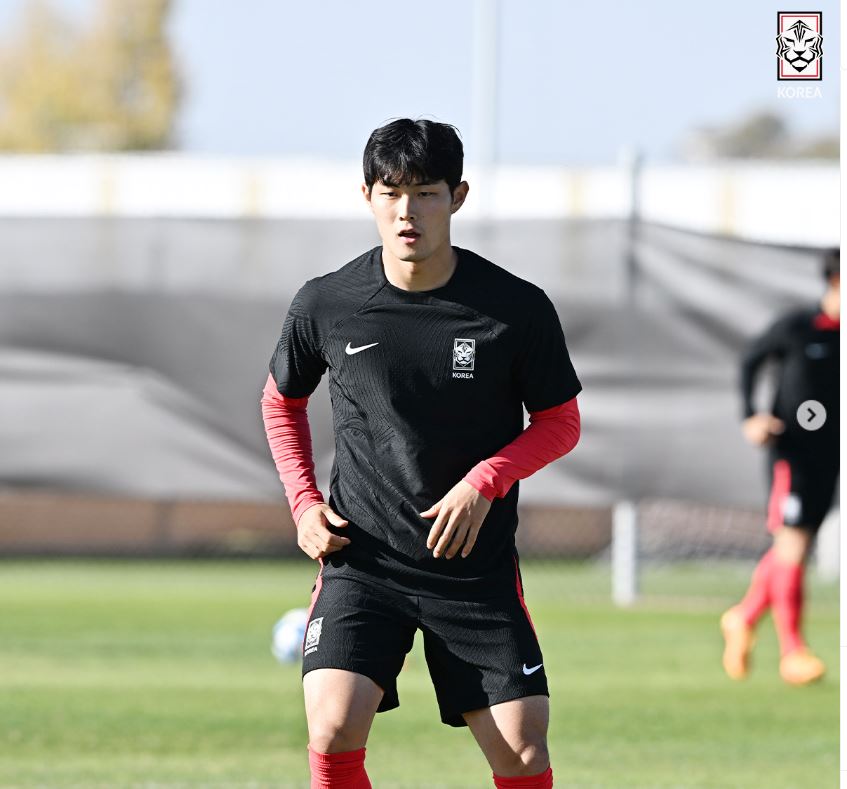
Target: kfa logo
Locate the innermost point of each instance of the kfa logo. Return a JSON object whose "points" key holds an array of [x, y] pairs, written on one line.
{"points": [[313, 636], [464, 351], [799, 45]]}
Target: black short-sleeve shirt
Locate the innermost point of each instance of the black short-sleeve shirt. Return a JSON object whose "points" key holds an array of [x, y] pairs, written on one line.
{"points": [[807, 353], [424, 385]]}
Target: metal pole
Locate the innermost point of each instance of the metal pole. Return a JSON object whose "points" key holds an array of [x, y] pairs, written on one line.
{"points": [[484, 98], [624, 553]]}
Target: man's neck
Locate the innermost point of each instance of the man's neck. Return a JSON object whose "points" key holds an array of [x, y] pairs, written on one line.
{"points": [[428, 274]]}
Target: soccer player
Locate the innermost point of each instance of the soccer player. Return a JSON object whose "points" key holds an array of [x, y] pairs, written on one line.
{"points": [[432, 352], [803, 466]]}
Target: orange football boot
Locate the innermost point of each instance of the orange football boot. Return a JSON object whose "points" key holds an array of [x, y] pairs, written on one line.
{"points": [[739, 639], [801, 667]]}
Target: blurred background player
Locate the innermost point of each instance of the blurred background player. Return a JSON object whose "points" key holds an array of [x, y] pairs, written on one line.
{"points": [[803, 466]]}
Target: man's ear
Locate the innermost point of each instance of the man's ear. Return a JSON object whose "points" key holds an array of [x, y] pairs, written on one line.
{"points": [[366, 193], [459, 195]]}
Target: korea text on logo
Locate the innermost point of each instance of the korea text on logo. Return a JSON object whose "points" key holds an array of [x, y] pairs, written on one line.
{"points": [[799, 45], [464, 351]]}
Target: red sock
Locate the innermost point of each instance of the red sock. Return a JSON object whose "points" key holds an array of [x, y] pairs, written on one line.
{"points": [[758, 597], [787, 604], [540, 781], [338, 770]]}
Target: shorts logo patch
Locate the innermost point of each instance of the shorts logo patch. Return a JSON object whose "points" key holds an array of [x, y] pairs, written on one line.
{"points": [[313, 636], [464, 352], [528, 671], [791, 509]]}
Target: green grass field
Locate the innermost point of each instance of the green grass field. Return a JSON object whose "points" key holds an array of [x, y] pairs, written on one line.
{"points": [[119, 674]]}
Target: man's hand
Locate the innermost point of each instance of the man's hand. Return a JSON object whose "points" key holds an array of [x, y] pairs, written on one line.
{"points": [[759, 429], [458, 518], [313, 536]]}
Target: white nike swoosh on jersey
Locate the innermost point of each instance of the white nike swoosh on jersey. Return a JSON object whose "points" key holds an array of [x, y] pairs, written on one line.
{"points": [[350, 350], [532, 670]]}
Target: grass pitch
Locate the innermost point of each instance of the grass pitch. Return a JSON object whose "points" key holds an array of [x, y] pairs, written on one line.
{"points": [[141, 674]]}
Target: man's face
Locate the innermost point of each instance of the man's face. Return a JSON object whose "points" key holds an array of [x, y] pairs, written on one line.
{"points": [[414, 220]]}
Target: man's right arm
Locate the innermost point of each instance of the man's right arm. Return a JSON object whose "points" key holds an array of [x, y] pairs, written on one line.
{"points": [[290, 440], [760, 427]]}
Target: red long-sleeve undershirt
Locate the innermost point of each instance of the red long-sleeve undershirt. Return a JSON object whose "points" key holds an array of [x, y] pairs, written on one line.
{"points": [[551, 433]]}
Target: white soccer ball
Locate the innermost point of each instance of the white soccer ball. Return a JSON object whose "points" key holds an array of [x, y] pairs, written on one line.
{"points": [[288, 634]]}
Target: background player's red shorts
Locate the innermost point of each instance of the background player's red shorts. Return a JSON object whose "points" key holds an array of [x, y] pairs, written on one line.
{"points": [[802, 487]]}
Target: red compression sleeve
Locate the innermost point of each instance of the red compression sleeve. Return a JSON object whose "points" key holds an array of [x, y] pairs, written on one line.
{"points": [[287, 429], [551, 433]]}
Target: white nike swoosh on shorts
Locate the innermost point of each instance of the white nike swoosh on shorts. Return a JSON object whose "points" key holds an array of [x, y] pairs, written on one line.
{"points": [[532, 670], [350, 350]]}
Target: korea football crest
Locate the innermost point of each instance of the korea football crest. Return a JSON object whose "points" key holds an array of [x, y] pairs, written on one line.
{"points": [[313, 636], [464, 351]]}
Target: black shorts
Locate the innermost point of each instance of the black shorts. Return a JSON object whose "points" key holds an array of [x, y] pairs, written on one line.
{"points": [[478, 653], [802, 487]]}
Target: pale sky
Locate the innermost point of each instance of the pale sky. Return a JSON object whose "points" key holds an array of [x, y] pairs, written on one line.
{"points": [[577, 81]]}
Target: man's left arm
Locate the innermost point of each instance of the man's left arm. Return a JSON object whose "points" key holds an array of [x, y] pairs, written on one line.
{"points": [[551, 434], [548, 385]]}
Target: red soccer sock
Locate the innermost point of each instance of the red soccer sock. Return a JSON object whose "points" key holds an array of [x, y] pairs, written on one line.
{"points": [[787, 604], [338, 770], [540, 781], [758, 597]]}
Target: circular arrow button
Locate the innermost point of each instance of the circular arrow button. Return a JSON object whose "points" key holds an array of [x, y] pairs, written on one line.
{"points": [[811, 415]]}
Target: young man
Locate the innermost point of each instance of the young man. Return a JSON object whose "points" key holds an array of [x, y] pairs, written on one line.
{"points": [[803, 465], [431, 352]]}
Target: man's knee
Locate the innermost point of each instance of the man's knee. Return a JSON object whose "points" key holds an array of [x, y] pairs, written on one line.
{"points": [[528, 758], [328, 736], [340, 707]]}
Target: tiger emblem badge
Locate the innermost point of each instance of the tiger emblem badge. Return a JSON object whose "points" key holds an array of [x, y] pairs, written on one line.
{"points": [[464, 351], [799, 45]]}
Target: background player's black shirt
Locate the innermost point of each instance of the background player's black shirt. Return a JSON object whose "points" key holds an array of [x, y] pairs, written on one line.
{"points": [[808, 357], [424, 385]]}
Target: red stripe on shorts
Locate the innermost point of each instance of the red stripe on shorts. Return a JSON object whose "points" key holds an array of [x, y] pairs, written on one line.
{"points": [[519, 587], [780, 488], [319, 582]]}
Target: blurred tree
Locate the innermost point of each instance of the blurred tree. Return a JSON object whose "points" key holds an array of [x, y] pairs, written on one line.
{"points": [[827, 147], [760, 135], [112, 87]]}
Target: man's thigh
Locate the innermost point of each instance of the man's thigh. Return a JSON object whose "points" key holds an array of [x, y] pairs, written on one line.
{"points": [[481, 653], [358, 628], [340, 708], [513, 734]]}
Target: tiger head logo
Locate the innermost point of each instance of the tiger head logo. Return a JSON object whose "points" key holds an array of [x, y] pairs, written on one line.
{"points": [[463, 354], [799, 46]]}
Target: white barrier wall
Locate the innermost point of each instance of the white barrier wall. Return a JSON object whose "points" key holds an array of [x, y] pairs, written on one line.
{"points": [[782, 203], [786, 203]]}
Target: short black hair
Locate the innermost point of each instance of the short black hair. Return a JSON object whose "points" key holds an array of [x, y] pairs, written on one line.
{"points": [[831, 262], [406, 152]]}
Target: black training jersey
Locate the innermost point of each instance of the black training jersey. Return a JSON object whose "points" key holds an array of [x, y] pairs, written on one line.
{"points": [[806, 347], [424, 385]]}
